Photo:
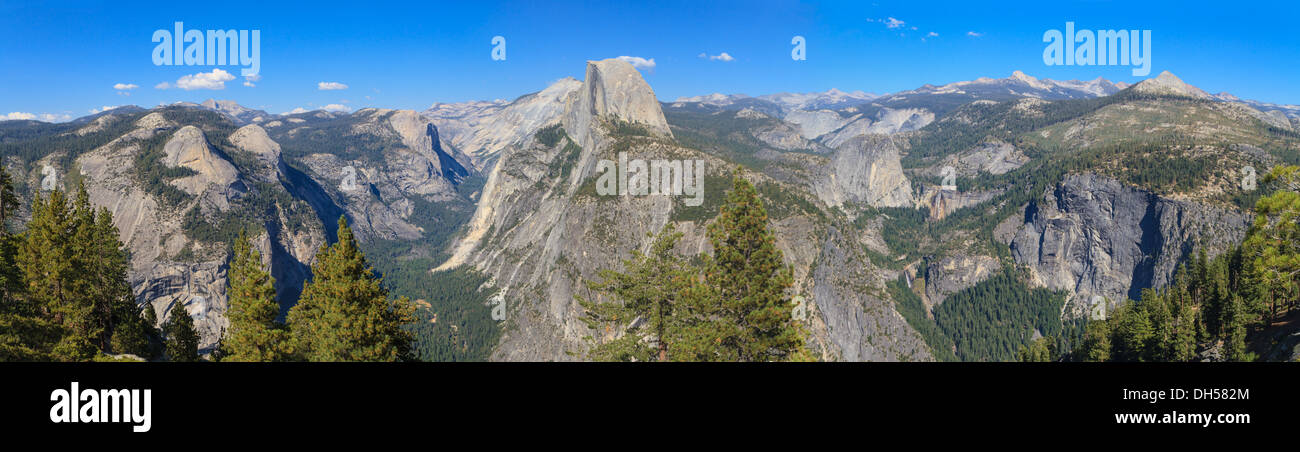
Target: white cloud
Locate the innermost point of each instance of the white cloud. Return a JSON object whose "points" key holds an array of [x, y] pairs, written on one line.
{"points": [[638, 62], [892, 22], [330, 86], [103, 109], [296, 111], [336, 108], [932, 35], [163, 85], [724, 56], [249, 79], [125, 86], [204, 80], [974, 34], [47, 117]]}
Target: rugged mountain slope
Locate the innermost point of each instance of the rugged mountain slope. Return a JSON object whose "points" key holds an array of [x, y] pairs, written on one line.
{"points": [[1094, 197], [541, 229], [483, 129], [179, 181], [182, 180], [384, 169]]}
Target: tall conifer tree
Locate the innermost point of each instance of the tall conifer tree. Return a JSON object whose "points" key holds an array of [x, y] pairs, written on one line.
{"points": [[743, 298], [254, 334], [344, 314], [182, 342]]}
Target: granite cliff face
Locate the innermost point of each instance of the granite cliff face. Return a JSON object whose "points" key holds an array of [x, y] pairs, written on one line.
{"points": [[169, 269], [483, 129], [992, 157], [866, 170], [381, 192], [1093, 236], [612, 90], [887, 121], [950, 274]]}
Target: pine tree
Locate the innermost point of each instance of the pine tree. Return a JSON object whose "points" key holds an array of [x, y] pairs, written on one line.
{"points": [[1272, 246], [49, 263], [152, 333], [743, 304], [1095, 346], [254, 334], [650, 288], [1185, 333], [1132, 333], [1042, 350], [100, 270], [127, 330], [344, 314], [11, 281], [182, 342]]}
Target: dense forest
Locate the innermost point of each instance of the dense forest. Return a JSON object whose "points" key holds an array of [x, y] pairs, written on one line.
{"points": [[990, 321]]}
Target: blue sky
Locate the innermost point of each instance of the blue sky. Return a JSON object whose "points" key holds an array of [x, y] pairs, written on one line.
{"points": [[63, 59]]}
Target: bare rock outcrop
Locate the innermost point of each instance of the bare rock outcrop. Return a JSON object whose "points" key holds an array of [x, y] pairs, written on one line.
{"points": [[379, 193], [189, 148], [483, 129], [613, 89], [950, 274], [1094, 236], [867, 170]]}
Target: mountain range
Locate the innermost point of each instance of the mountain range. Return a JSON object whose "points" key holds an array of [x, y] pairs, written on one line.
{"points": [[1090, 188]]}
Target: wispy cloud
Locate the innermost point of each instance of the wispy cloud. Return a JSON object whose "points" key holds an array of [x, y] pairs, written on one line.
{"points": [[638, 62], [974, 34], [249, 79], [336, 108], [19, 116], [890, 22], [330, 86], [103, 109], [724, 56]]}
